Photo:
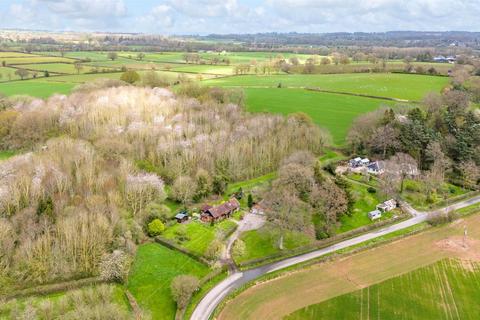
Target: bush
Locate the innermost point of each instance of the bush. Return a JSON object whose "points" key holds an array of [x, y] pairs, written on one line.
{"points": [[239, 248], [436, 219], [155, 227], [130, 76], [371, 190], [114, 267], [181, 233], [214, 250], [182, 289]]}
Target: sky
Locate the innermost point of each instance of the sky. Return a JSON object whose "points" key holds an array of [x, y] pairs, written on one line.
{"points": [[240, 16]]}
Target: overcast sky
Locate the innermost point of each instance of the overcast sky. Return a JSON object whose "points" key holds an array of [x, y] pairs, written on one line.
{"points": [[240, 16]]}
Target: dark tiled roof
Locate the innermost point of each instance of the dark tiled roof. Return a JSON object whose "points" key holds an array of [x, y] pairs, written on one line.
{"points": [[224, 208]]}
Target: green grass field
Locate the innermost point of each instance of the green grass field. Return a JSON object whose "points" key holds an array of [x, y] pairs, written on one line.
{"points": [[262, 243], [34, 59], [200, 234], [400, 86], [57, 68], [36, 88], [205, 68], [8, 74], [444, 290], [13, 54], [45, 87], [152, 272], [334, 112]]}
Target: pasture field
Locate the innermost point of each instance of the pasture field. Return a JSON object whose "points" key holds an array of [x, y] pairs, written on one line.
{"points": [[57, 68], [35, 88], [7, 74], [279, 297], [81, 55], [120, 61], [152, 272], [334, 112], [391, 85], [205, 68], [35, 59], [168, 57], [448, 289], [199, 235], [14, 54], [45, 87]]}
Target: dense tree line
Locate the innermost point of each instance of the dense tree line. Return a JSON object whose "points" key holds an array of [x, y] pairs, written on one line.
{"points": [[442, 135], [303, 193]]}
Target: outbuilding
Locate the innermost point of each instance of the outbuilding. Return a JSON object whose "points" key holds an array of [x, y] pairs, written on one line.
{"points": [[182, 217], [375, 214]]}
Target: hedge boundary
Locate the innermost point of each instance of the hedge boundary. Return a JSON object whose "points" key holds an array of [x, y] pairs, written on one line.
{"points": [[172, 245], [53, 288]]}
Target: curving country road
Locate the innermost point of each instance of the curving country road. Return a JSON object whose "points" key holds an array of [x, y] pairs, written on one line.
{"points": [[207, 305]]}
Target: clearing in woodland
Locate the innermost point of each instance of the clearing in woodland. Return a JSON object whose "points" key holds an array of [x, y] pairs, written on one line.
{"points": [[277, 298]]}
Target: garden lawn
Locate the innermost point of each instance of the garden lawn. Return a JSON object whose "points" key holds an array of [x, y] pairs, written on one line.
{"points": [[448, 289], [152, 272], [392, 85], [262, 243], [200, 234], [364, 203], [335, 112]]}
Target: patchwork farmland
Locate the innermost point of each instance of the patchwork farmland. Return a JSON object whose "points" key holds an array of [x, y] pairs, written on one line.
{"points": [[343, 98]]}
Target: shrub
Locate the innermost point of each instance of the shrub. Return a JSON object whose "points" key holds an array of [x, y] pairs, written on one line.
{"points": [[436, 219], [182, 289], [214, 250], [371, 190], [250, 201], [155, 228], [239, 248], [114, 267], [130, 76]]}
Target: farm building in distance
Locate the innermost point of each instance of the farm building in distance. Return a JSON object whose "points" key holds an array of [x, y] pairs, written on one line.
{"points": [[222, 211]]}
